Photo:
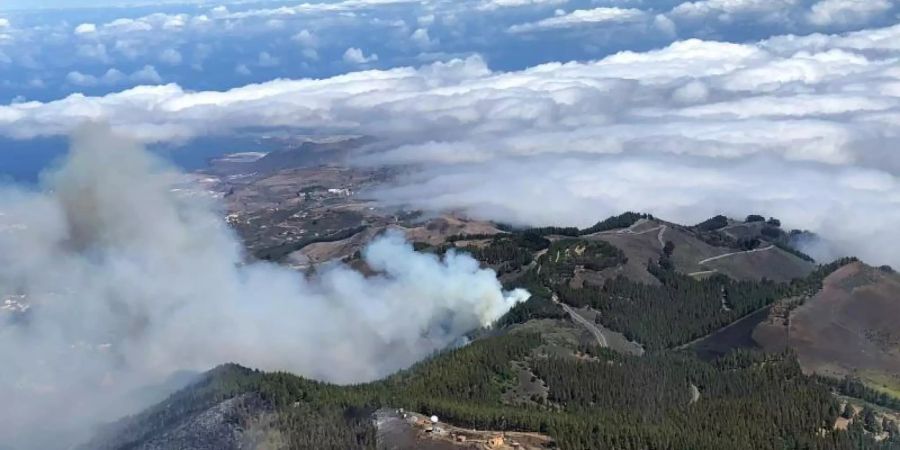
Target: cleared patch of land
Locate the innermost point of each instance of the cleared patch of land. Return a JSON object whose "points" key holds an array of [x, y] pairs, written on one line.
{"points": [[850, 327], [402, 430], [768, 262]]}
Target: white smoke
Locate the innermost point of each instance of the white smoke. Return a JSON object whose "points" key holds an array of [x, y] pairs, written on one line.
{"points": [[129, 281]]}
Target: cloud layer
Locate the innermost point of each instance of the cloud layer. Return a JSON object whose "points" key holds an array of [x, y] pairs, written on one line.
{"points": [[218, 46], [695, 128]]}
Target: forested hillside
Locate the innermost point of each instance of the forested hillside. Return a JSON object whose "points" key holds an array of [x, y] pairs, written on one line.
{"points": [[590, 397]]}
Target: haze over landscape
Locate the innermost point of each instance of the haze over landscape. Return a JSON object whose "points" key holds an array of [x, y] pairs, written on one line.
{"points": [[496, 211]]}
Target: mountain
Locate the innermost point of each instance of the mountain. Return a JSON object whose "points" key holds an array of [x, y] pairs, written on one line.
{"points": [[611, 351], [849, 328]]}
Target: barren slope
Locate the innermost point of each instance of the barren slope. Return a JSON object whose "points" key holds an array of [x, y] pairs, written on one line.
{"points": [[851, 327]]}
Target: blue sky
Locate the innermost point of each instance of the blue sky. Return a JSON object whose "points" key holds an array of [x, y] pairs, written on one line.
{"points": [[52, 52]]}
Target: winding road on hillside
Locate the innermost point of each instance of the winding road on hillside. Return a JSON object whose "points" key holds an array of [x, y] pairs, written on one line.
{"points": [[598, 335], [714, 258]]}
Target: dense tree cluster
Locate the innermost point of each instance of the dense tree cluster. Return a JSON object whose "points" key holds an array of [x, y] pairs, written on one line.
{"points": [[508, 252], [565, 256], [746, 400], [675, 312], [624, 220], [537, 307], [682, 308], [713, 223], [666, 399], [854, 387], [792, 250]]}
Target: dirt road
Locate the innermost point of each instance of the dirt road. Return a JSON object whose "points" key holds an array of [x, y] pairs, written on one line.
{"points": [[714, 258]]}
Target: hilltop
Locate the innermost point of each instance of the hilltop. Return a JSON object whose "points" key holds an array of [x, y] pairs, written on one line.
{"points": [[601, 356]]}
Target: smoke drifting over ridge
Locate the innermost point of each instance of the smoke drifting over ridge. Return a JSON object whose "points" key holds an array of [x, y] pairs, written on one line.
{"points": [[130, 281]]}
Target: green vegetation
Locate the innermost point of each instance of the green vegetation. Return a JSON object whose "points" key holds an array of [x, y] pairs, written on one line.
{"points": [[597, 400], [279, 252], [856, 388], [565, 256], [682, 308], [537, 307], [624, 220], [790, 249], [508, 252], [747, 401], [713, 223], [616, 222]]}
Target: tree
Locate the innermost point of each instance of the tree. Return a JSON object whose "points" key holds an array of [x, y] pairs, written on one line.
{"points": [[774, 222], [669, 248], [755, 218], [870, 421], [713, 223], [894, 430], [848, 412]]}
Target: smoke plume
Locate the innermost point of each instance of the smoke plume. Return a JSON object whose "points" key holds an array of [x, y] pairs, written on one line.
{"points": [[128, 281]]}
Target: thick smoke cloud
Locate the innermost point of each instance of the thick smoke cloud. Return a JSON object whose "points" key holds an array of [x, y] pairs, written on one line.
{"points": [[129, 280]]}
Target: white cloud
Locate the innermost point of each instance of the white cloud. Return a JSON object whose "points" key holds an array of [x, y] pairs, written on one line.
{"points": [[498, 4], [665, 24], [170, 56], [146, 75], [306, 38], [127, 25], [726, 9], [847, 12], [86, 28], [693, 92], [4, 23], [787, 126], [864, 41], [275, 24], [421, 38], [243, 70], [307, 8], [310, 53], [354, 55], [96, 52], [582, 17], [426, 20], [113, 76], [80, 79], [267, 60], [219, 11], [175, 22]]}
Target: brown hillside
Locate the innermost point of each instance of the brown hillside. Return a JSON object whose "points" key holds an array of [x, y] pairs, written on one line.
{"points": [[851, 327]]}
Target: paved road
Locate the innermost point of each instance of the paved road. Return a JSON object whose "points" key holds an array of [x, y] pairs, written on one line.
{"points": [[601, 339]]}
